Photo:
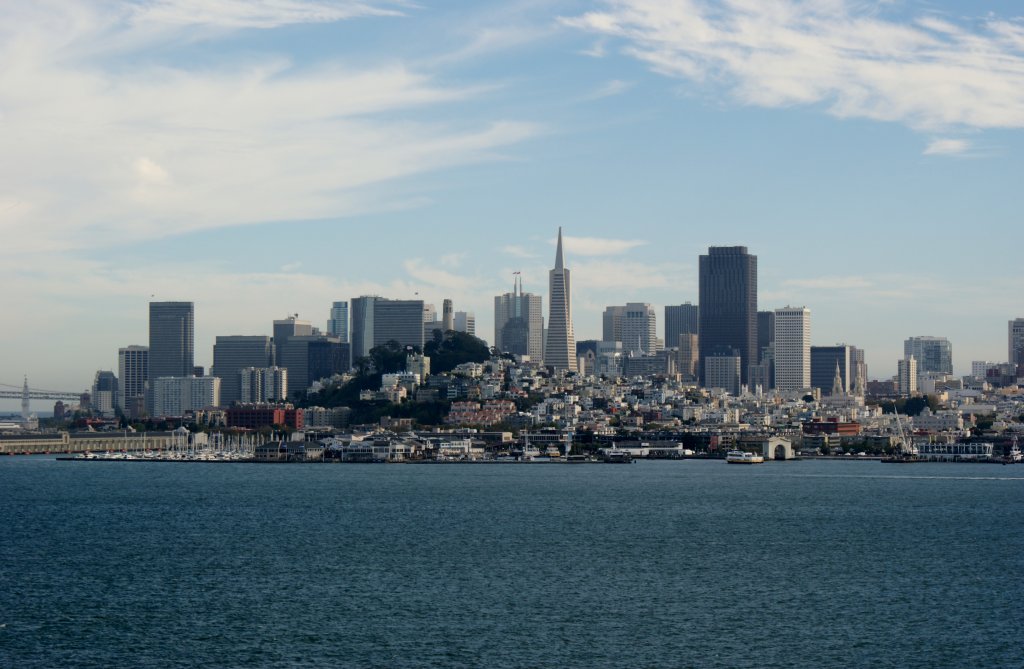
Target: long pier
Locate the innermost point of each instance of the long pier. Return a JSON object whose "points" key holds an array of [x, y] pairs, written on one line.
{"points": [[63, 442]]}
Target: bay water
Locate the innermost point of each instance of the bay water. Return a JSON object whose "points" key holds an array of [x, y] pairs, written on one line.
{"points": [[656, 564]]}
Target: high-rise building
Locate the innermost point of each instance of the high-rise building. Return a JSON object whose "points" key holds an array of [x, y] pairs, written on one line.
{"points": [[337, 324], [906, 373], [236, 352], [979, 368], [933, 354], [311, 358], [519, 322], [635, 325], [362, 325], [290, 326], [176, 395], [104, 393], [398, 320], [793, 349], [1015, 352], [465, 321], [728, 303], [824, 361], [680, 319], [560, 349], [171, 340], [133, 371], [262, 384], [376, 321], [723, 370], [689, 355], [765, 332]]}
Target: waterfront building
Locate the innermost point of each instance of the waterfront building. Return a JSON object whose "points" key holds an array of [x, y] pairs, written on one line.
{"points": [[906, 376], [824, 362], [133, 375], [792, 349], [177, 395], [681, 319], [337, 324], [519, 323], [560, 350], [1015, 353], [105, 393], [171, 339], [933, 354], [728, 303], [233, 353]]}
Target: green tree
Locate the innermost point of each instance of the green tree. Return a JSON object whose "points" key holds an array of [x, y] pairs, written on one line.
{"points": [[453, 349]]}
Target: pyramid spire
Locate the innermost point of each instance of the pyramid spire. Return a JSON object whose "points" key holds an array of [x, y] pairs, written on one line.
{"points": [[837, 383], [559, 263]]}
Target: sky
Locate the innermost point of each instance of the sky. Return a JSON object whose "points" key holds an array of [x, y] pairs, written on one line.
{"points": [[268, 157]]}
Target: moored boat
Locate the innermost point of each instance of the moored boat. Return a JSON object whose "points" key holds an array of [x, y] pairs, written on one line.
{"points": [[743, 458]]}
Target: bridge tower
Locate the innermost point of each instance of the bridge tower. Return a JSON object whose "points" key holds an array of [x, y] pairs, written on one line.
{"points": [[24, 400]]}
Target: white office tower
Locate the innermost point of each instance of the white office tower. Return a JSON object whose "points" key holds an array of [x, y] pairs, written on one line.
{"points": [[907, 375], [792, 348], [635, 325], [464, 321], [560, 350], [133, 373], [176, 395], [263, 384]]}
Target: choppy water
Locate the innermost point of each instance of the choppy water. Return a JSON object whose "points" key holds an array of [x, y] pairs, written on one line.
{"points": [[661, 564]]}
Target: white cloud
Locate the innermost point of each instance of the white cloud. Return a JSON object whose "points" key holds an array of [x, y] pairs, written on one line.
{"points": [[596, 246], [947, 147], [841, 54], [98, 147], [256, 13], [611, 88], [518, 251]]}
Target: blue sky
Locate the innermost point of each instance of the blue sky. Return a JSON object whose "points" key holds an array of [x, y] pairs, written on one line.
{"points": [[267, 158]]}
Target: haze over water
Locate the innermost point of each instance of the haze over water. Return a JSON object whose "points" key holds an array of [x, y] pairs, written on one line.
{"points": [[657, 564]]}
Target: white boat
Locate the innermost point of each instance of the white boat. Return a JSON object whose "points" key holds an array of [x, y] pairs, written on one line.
{"points": [[743, 458]]}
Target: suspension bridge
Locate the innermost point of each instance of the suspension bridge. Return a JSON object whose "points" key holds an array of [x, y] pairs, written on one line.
{"points": [[26, 395]]}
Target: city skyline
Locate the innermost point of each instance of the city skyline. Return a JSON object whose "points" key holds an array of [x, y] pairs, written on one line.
{"points": [[261, 159]]}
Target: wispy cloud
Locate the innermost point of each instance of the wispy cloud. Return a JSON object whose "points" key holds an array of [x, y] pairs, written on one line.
{"points": [[597, 246], [257, 13], [518, 251], [947, 147], [845, 55], [611, 88], [830, 283], [134, 149]]}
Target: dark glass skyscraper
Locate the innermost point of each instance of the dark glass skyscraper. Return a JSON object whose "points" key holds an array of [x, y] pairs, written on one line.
{"points": [[680, 319], [728, 303], [171, 339], [171, 342]]}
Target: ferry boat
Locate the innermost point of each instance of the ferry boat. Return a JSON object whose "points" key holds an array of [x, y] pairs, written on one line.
{"points": [[743, 458]]}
